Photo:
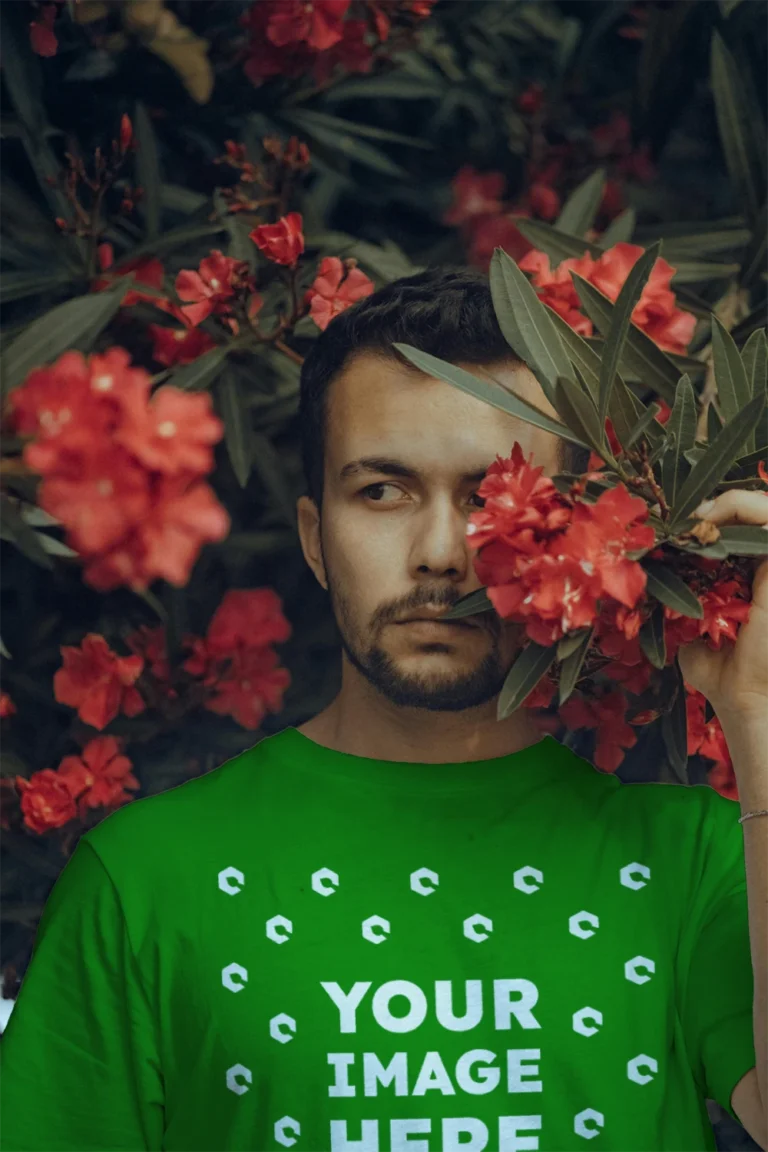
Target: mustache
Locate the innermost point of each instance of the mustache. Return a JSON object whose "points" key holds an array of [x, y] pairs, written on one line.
{"points": [[488, 621]]}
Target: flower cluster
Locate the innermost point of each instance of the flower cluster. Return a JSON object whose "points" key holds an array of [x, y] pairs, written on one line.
{"points": [[556, 564], [122, 470], [266, 183], [486, 220], [295, 37], [98, 777], [655, 313]]}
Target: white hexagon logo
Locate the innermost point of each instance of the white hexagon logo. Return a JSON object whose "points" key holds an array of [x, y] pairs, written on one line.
{"points": [[419, 881], [521, 879], [272, 929], [626, 875], [586, 1014], [318, 884], [473, 926], [232, 1082], [641, 1061], [369, 929], [282, 1021], [589, 1115], [575, 924], [228, 975], [287, 1123], [631, 967], [231, 881]]}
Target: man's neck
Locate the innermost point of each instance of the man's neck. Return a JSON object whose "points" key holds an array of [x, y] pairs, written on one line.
{"points": [[361, 722]]}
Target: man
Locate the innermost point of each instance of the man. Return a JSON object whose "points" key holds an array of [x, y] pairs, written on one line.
{"points": [[404, 924]]}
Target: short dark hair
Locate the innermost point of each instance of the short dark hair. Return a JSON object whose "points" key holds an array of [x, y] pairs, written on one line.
{"points": [[446, 311]]}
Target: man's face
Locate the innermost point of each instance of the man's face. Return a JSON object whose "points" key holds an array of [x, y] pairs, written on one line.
{"points": [[404, 457]]}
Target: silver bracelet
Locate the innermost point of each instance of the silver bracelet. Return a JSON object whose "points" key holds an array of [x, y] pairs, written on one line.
{"points": [[762, 812]]}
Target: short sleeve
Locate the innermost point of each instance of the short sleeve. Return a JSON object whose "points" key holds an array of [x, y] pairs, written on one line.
{"points": [[718, 995], [80, 1066]]}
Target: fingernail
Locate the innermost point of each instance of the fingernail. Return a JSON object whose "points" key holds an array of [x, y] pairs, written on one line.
{"points": [[705, 507]]}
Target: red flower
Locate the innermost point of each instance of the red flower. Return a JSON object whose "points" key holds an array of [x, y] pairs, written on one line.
{"points": [[544, 201], [46, 800], [251, 685], [173, 346], [210, 288], [174, 432], [336, 286], [41, 34], [521, 505], [246, 617], [147, 270], [602, 533], [353, 53], [557, 288], [607, 715], [152, 646], [655, 312], [282, 242], [532, 98], [126, 134], [487, 233], [98, 682], [316, 22], [726, 605], [99, 776], [7, 706], [762, 471], [474, 194]]}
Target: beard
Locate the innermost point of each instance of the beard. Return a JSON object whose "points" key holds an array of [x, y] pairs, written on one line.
{"points": [[452, 690]]}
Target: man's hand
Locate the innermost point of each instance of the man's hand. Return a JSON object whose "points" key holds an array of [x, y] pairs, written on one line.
{"points": [[735, 679]]}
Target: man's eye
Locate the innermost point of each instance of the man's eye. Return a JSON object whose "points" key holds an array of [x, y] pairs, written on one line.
{"points": [[373, 491]]}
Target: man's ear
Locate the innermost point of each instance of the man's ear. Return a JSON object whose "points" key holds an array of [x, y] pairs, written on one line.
{"points": [[309, 535]]}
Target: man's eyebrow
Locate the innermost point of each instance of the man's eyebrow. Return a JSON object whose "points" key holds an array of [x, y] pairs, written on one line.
{"points": [[389, 467]]}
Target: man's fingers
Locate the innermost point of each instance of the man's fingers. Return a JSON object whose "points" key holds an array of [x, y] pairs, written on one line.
{"points": [[738, 505]]}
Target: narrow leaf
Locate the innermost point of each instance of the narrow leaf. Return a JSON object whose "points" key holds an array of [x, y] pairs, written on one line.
{"points": [[733, 387], [572, 665], [651, 637], [667, 587], [745, 539], [202, 372], [148, 171], [754, 356], [553, 243], [718, 458], [74, 324], [682, 426], [523, 676], [739, 125], [570, 642], [580, 209], [628, 297], [641, 354], [620, 230], [526, 323], [576, 407], [674, 728], [642, 425], [487, 390], [236, 427], [470, 605]]}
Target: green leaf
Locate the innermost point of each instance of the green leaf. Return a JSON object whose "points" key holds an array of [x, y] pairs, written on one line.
{"points": [[490, 391], [572, 663], [728, 6], [674, 728], [641, 354], [620, 230], [19, 285], [523, 676], [681, 425], [580, 209], [268, 465], [202, 372], [651, 637], [753, 258], [14, 529], [733, 387], [667, 587], [714, 423], [754, 357], [526, 323], [744, 539], [628, 297], [236, 427], [749, 463], [576, 407], [347, 145], [740, 124], [339, 125], [74, 324], [701, 271], [718, 458], [642, 425], [148, 171], [553, 243], [470, 605]]}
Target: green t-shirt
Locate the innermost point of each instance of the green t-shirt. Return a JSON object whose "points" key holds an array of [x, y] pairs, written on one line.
{"points": [[306, 949]]}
